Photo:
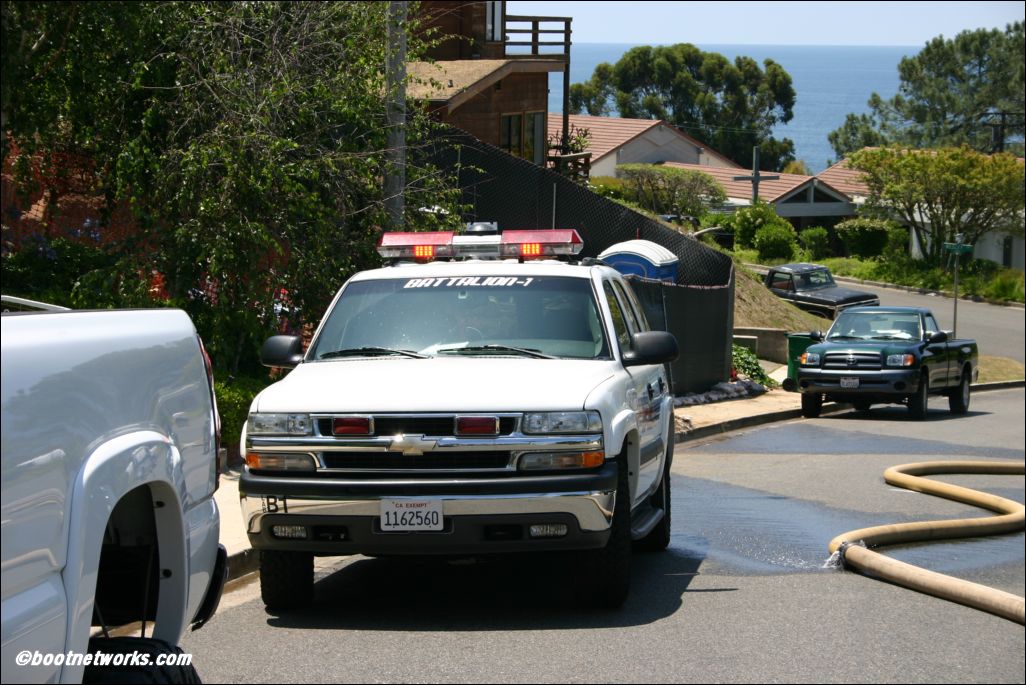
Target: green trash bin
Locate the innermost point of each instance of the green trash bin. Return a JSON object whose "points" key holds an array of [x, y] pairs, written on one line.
{"points": [[796, 344]]}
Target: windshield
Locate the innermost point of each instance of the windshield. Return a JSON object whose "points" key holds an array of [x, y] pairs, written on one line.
{"points": [[876, 326], [533, 317], [815, 279]]}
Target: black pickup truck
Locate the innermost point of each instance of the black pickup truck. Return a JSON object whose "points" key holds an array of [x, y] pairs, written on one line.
{"points": [[811, 287], [874, 355]]}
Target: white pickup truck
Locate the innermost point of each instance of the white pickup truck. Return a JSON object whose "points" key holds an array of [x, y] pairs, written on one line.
{"points": [[109, 455], [476, 397]]}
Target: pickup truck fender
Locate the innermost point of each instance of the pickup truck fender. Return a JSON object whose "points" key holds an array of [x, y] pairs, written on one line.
{"points": [[143, 458]]}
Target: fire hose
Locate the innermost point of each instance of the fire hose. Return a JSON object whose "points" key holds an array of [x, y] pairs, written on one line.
{"points": [[848, 547]]}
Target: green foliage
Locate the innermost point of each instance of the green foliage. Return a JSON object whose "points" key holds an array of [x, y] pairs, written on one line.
{"points": [[866, 237], [775, 241], [952, 93], [246, 137], [732, 106], [48, 270], [944, 192], [748, 220], [668, 190], [816, 241], [747, 365], [797, 166], [234, 398]]}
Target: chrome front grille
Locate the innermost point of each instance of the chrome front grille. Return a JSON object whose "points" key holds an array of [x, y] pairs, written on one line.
{"points": [[434, 425], [429, 461]]}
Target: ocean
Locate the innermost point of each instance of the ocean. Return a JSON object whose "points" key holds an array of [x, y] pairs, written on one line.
{"points": [[829, 82]]}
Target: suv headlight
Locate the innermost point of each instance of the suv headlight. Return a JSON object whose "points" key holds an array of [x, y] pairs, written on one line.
{"points": [[562, 422], [901, 360], [279, 424], [809, 359]]}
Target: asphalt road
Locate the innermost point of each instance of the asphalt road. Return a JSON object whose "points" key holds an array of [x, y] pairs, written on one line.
{"points": [[740, 596], [1000, 331]]}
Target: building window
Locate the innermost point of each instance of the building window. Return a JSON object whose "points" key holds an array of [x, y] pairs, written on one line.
{"points": [[523, 135], [494, 30]]}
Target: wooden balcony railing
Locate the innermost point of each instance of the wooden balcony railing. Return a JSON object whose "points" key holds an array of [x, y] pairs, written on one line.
{"points": [[536, 33]]}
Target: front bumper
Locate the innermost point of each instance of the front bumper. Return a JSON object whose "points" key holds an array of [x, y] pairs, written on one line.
{"points": [[481, 515], [887, 383]]}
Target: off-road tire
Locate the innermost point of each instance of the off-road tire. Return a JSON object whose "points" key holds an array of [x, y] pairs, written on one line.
{"points": [[812, 404], [286, 579], [958, 400], [129, 671]]}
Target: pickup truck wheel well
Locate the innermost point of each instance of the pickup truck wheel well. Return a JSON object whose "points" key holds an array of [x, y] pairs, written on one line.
{"points": [[128, 576]]}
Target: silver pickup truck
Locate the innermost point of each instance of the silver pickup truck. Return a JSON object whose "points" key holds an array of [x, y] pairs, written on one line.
{"points": [[109, 456]]}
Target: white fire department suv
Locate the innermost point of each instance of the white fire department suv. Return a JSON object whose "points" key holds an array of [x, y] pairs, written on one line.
{"points": [[479, 397]]}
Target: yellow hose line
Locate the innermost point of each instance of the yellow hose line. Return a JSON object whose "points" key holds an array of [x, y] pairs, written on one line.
{"points": [[1011, 518]]}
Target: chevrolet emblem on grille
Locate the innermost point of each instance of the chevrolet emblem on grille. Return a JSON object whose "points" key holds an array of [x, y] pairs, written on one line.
{"points": [[411, 445]]}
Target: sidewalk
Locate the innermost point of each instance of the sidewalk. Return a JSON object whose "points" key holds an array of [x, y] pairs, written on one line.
{"points": [[693, 422]]}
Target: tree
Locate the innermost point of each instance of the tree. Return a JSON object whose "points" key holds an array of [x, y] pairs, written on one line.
{"points": [[944, 192], [964, 91], [667, 190], [732, 106], [247, 137]]}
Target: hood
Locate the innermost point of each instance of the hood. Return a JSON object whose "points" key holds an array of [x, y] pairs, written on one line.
{"points": [[436, 384], [838, 295]]}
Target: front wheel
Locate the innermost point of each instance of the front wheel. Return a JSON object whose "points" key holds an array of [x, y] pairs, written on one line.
{"points": [[919, 404], [958, 400], [286, 579], [658, 538], [606, 573], [125, 662], [812, 404]]}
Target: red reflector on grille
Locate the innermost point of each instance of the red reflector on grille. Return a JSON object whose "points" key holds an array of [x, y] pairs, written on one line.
{"points": [[477, 425], [351, 425]]}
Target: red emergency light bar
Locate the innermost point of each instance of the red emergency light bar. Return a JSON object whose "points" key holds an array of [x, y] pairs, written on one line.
{"points": [[529, 244], [422, 247]]}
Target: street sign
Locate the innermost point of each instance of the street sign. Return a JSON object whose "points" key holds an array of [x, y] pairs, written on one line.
{"points": [[958, 248]]}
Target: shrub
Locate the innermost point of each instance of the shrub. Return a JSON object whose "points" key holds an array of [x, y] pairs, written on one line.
{"points": [[748, 220], [865, 237], [233, 399], [816, 241], [747, 365], [775, 241]]}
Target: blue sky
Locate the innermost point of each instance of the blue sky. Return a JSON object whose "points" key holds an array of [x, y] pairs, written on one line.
{"points": [[773, 23]]}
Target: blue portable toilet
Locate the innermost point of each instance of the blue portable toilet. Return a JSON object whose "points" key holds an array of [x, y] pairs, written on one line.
{"points": [[642, 258]]}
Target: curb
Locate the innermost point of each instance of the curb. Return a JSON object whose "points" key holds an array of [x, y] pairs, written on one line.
{"points": [[248, 560]]}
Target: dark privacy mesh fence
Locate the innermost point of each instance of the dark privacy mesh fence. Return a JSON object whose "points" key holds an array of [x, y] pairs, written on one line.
{"points": [[517, 194]]}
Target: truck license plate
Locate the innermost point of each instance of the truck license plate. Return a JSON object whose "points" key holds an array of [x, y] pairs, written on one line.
{"points": [[849, 382], [411, 515]]}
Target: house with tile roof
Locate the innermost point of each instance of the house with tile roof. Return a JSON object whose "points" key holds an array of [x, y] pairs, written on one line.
{"points": [[804, 200], [489, 73], [615, 140]]}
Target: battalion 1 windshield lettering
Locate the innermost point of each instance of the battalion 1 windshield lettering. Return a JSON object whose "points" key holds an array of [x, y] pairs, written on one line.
{"points": [[469, 282]]}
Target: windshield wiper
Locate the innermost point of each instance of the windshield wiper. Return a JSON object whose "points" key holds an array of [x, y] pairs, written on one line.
{"points": [[371, 352], [845, 337], [501, 348]]}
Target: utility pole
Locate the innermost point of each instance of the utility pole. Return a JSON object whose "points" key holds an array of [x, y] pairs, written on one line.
{"points": [[395, 172], [756, 175]]}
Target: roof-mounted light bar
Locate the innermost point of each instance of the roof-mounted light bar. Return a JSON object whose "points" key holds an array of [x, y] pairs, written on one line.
{"points": [[422, 247], [529, 244]]}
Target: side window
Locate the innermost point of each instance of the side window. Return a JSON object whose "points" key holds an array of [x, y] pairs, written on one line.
{"points": [[623, 335], [629, 310], [632, 301], [931, 324]]}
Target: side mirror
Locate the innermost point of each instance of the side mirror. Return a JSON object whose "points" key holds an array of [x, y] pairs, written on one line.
{"points": [[937, 337], [816, 336], [284, 351], [653, 347]]}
